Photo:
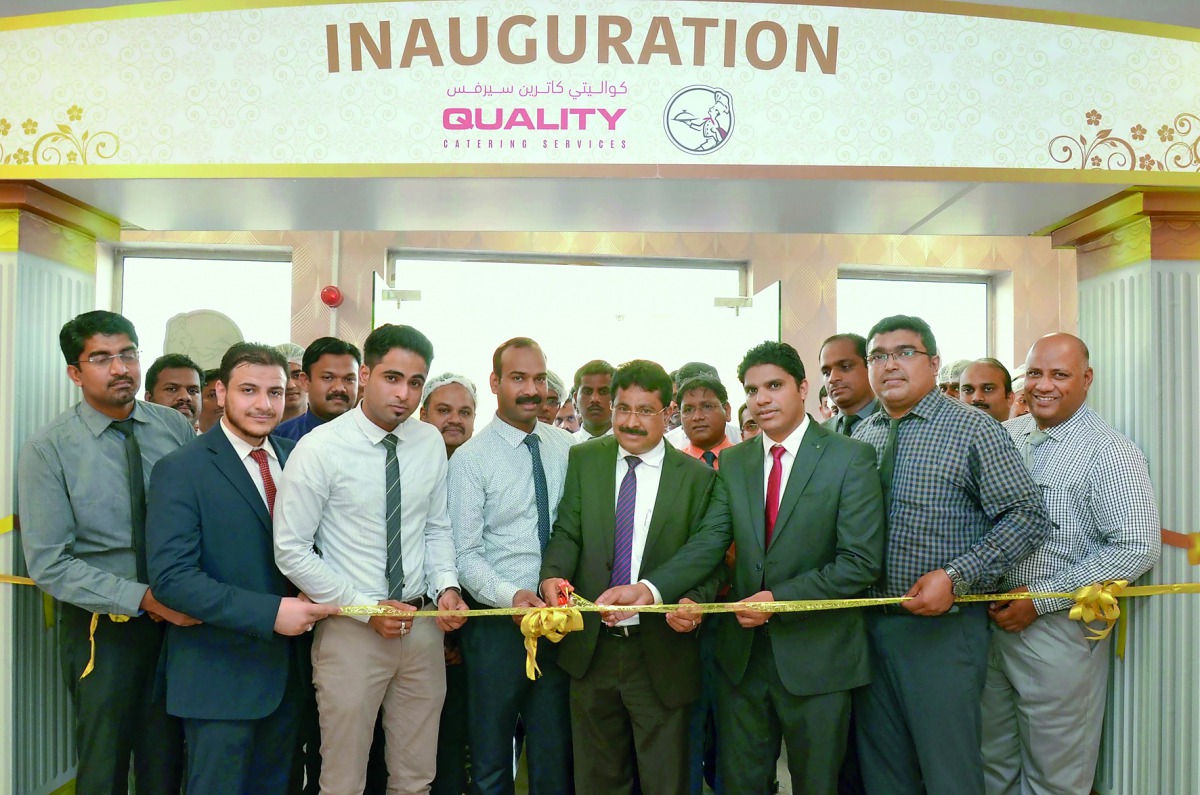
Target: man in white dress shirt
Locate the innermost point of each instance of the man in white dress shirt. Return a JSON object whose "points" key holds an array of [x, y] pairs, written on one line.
{"points": [[504, 487], [369, 490], [593, 400]]}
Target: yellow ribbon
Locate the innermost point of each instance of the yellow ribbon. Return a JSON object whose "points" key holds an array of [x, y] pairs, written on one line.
{"points": [[551, 623], [1098, 602], [91, 663]]}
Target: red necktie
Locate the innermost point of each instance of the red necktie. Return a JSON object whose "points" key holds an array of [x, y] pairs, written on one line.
{"points": [[773, 483], [260, 455]]}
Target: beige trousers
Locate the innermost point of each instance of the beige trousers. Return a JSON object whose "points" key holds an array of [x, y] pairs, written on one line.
{"points": [[355, 671]]}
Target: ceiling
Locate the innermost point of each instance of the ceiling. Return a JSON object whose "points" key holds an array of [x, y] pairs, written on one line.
{"points": [[764, 206]]}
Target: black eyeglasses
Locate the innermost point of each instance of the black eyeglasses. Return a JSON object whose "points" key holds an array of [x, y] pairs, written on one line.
{"points": [[902, 356]]}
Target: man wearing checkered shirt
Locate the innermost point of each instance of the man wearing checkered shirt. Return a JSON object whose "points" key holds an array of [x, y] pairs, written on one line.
{"points": [[1043, 705], [962, 510]]}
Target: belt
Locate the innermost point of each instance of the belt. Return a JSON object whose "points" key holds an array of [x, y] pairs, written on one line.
{"points": [[421, 602], [621, 632]]}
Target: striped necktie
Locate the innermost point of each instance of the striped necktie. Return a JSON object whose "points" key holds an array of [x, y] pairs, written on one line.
{"points": [[395, 558], [623, 536]]}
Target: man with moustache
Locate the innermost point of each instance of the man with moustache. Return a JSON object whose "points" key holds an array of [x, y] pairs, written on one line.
{"points": [[296, 401], [803, 505], [987, 386], [449, 405], [504, 486], [962, 510], [368, 489], [175, 381], [1047, 682], [629, 503], [593, 400], [210, 409], [81, 485], [330, 380], [844, 372], [675, 435], [209, 552], [567, 417]]}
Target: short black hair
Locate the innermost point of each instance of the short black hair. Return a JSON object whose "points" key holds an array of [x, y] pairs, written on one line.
{"points": [[822, 393], [780, 354], [250, 353], [212, 376], [594, 367], [703, 381], [691, 370], [327, 345], [171, 361], [742, 415], [78, 330], [389, 336], [860, 343], [988, 360], [649, 375], [515, 342], [907, 323]]}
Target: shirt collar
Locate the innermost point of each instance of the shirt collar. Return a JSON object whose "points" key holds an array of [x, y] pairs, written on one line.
{"points": [[1064, 429], [372, 431], [511, 434], [696, 452], [241, 446], [652, 458], [97, 422], [791, 444]]}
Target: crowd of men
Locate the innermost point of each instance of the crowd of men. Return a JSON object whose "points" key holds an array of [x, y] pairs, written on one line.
{"points": [[200, 544]]}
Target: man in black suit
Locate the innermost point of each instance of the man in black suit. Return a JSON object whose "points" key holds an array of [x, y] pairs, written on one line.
{"points": [[234, 679], [803, 505], [629, 503]]}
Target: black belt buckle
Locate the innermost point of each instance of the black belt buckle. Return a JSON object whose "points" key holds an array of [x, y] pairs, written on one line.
{"points": [[420, 602], [621, 632]]}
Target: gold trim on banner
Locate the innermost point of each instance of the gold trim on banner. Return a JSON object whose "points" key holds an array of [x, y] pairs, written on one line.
{"points": [[941, 7]]}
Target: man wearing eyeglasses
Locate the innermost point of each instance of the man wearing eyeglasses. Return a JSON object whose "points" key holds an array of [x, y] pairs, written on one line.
{"points": [[81, 485], [962, 510], [629, 503]]}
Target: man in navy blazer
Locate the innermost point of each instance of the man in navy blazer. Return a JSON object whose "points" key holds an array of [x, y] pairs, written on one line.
{"points": [[235, 678]]}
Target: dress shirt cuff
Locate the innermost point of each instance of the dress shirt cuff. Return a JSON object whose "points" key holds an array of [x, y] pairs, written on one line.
{"points": [[1044, 606], [653, 591], [128, 599], [970, 567], [362, 599], [444, 581], [505, 591]]}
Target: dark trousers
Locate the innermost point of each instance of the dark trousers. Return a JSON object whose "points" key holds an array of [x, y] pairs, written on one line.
{"points": [[499, 693], [306, 760], [755, 715], [242, 757], [624, 732], [702, 727], [452, 733], [119, 711], [918, 722]]}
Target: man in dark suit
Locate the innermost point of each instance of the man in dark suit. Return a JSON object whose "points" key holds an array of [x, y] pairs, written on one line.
{"points": [[629, 503], [234, 679], [804, 506]]}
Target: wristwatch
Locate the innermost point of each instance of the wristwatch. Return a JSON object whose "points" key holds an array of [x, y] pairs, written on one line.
{"points": [[961, 586], [442, 592]]}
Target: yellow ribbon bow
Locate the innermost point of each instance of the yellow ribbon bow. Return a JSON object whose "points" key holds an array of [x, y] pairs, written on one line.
{"points": [[552, 623], [1098, 602]]}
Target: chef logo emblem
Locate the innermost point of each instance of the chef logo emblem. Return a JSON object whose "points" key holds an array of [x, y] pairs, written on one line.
{"points": [[699, 119]]}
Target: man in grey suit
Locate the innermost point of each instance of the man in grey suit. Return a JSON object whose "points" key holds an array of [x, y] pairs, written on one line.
{"points": [[804, 507]]}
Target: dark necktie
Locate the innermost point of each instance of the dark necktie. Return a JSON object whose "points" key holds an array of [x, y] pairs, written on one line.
{"points": [[887, 463], [395, 558], [623, 536], [710, 458], [137, 495], [540, 492], [774, 482], [1035, 438], [847, 422], [264, 469]]}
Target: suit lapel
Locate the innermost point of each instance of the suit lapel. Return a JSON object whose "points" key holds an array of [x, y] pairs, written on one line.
{"points": [[812, 447], [280, 451], [755, 489], [234, 470], [604, 484], [669, 487]]}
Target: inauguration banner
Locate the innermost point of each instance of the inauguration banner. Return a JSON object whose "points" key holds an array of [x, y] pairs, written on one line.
{"points": [[222, 88]]}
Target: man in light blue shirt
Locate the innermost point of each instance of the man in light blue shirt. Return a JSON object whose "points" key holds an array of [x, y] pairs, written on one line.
{"points": [[504, 486]]}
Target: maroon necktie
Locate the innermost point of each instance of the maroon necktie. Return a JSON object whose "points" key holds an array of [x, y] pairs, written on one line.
{"points": [[773, 483], [260, 455]]}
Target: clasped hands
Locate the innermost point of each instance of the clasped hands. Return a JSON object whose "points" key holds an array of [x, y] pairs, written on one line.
{"points": [[681, 620]]}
